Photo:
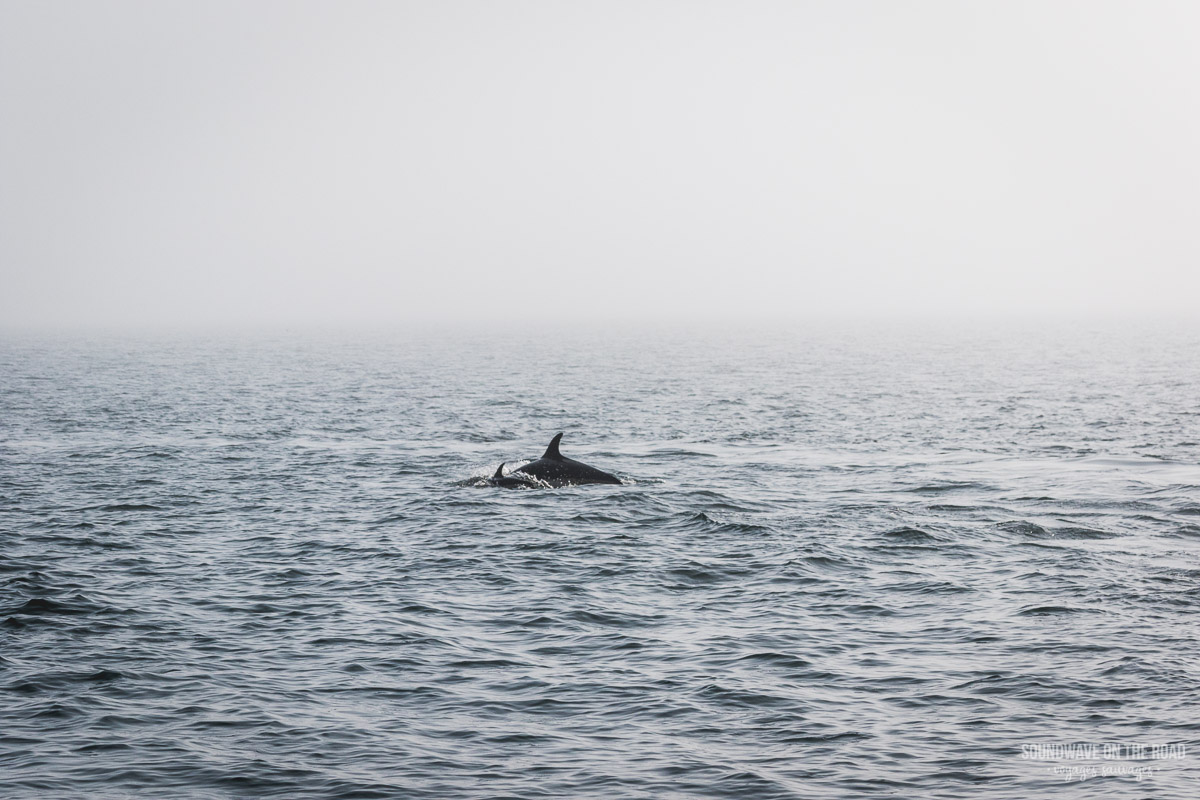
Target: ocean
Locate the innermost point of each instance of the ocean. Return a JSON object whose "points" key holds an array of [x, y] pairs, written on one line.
{"points": [[902, 560]]}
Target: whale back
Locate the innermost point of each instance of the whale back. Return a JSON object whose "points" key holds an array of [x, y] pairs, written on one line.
{"points": [[555, 469]]}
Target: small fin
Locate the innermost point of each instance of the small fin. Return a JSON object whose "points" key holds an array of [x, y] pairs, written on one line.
{"points": [[552, 450], [499, 471]]}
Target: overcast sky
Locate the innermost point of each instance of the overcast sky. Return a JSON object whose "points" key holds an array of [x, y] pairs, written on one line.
{"points": [[261, 163]]}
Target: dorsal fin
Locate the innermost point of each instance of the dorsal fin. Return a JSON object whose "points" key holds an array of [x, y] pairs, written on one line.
{"points": [[499, 471], [552, 450]]}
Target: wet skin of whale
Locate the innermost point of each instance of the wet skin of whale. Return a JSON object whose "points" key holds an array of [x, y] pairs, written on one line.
{"points": [[555, 469], [513, 480]]}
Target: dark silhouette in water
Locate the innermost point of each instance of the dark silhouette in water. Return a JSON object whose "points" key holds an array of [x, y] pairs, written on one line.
{"points": [[554, 469], [514, 480]]}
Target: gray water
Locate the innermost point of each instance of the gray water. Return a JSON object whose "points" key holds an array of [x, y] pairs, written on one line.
{"points": [[843, 563]]}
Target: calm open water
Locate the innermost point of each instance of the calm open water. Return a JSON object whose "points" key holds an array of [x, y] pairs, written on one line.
{"points": [[845, 563]]}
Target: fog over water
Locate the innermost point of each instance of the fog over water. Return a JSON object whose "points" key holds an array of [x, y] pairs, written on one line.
{"points": [[217, 164], [882, 313]]}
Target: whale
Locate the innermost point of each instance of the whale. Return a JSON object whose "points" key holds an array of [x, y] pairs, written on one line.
{"points": [[555, 470], [513, 480]]}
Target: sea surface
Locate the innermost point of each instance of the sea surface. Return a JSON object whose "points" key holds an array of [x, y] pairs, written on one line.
{"points": [[913, 561]]}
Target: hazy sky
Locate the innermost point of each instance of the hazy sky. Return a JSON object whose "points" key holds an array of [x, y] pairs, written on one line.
{"points": [[196, 163]]}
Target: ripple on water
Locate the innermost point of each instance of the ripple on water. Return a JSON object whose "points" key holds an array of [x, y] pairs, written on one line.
{"points": [[840, 568]]}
